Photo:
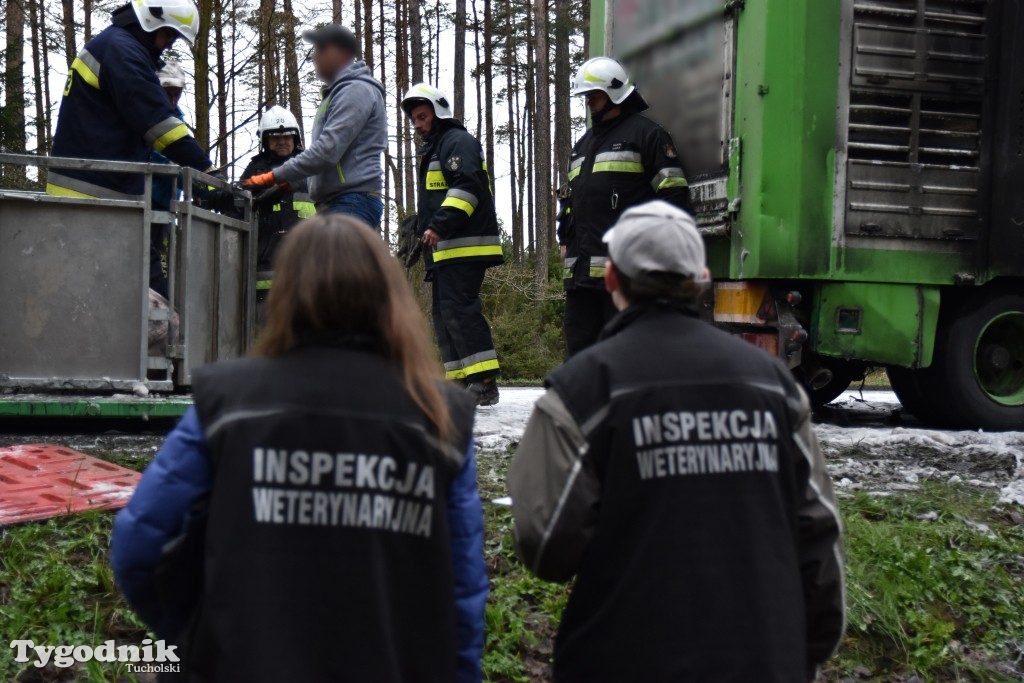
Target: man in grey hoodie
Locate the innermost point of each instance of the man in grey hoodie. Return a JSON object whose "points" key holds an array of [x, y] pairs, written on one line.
{"points": [[350, 133]]}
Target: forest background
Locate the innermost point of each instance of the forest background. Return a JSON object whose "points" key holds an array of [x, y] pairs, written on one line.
{"points": [[506, 64]]}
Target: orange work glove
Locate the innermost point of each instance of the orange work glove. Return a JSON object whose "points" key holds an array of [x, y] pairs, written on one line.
{"points": [[261, 180]]}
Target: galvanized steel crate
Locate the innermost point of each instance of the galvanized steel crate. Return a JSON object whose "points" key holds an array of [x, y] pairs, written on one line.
{"points": [[74, 278]]}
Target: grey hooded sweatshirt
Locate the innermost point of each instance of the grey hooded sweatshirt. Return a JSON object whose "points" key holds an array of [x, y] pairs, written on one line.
{"points": [[349, 135]]}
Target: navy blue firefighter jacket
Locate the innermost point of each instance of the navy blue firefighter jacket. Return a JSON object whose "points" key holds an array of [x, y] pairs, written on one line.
{"points": [[114, 109]]}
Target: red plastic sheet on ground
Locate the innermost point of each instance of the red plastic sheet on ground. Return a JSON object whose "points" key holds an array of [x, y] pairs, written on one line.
{"points": [[38, 481]]}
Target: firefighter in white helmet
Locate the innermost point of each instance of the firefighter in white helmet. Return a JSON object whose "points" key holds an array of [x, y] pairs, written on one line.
{"points": [[281, 206], [623, 159], [458, 229], [113, 106]]}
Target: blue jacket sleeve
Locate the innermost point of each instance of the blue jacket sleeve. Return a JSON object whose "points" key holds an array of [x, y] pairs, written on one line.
{"points": [[179, 475], [466, 521]]}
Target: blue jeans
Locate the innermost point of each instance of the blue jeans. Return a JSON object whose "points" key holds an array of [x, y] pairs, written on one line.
{"points": [[362, 205]]}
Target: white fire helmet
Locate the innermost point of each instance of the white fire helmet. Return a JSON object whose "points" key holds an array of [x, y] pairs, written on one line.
{"points": [[180, 15], [608, 76], [424, 93], [279, 121], [171, 75]]}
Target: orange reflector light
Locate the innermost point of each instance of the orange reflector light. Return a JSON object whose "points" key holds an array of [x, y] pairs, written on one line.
{"points": [[768, 342], [739, 302]]}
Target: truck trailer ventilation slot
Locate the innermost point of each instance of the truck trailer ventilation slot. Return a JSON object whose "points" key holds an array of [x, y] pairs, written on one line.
{"points": [[914, 134]]}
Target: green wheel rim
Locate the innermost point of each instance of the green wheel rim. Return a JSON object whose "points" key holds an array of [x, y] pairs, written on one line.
{"points": [[999, 359]]}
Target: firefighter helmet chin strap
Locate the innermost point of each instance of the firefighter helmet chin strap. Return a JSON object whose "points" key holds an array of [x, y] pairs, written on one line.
{"points": [[598, 117]]}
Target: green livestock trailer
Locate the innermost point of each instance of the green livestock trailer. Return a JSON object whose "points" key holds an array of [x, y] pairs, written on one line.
{"points": [[857, 169]]}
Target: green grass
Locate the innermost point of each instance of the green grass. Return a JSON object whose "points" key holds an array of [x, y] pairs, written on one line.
{"points": [[56, 587], [942, 599]]}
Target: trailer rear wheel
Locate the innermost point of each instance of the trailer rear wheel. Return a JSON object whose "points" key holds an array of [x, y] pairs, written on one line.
{"points": [[977, 371], [910, 388], [826, 378]]}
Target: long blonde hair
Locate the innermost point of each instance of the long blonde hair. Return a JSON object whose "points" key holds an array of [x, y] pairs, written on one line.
{"points": [[334, 277]]}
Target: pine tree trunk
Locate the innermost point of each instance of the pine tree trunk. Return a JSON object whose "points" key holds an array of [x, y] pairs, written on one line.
{"points": [[291, 63], [512, 98], [563, 124], [266, 53], [459, 89], [44, 49], [37, 79], [488, 70], [69, 30], [585, 9], [542, 141], [222, 86], [478, 76], [336, 11], [87, 9], [13, 118], [202, 67], [530, 83], [416, 40], [388, 161], [368, 32], [437, 44]]}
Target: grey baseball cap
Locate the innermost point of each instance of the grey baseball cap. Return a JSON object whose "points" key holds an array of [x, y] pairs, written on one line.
{"points": [[656, 237], [333, 34]]}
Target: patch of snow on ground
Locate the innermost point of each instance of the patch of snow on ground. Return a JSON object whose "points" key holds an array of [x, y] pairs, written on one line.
{"points": [[865, 454]]}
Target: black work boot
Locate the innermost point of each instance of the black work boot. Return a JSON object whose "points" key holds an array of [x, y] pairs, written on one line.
{"points": [[486, 391]]}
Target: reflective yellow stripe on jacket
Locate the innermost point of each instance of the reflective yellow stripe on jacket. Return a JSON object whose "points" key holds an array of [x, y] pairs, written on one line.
{"points": [[467, 247], [575, 166], [302, 204], [59, 185], [668, 177], [88, 67], [462, 200], [435, 177], [623, 162], [165, 133]]}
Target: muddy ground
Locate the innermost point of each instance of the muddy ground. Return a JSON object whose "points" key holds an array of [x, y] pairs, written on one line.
{"points": [[870, 444]]}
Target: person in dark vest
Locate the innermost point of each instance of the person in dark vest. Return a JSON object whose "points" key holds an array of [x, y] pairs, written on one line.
{"points": [[624, 159], [458, 230], [672, 469], [281, 206], [329, 483]]}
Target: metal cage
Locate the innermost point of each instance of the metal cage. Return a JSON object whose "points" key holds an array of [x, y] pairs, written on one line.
{"points": [[74, 273]]}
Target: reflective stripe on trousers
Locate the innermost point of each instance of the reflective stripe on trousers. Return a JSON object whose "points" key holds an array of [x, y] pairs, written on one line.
{"points": [[467, 247], [472, 365]]}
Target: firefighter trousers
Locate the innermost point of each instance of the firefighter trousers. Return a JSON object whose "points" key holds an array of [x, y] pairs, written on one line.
{"points": [[587, 311], [462, 332]]}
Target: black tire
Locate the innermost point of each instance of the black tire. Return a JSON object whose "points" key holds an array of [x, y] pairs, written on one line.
{"points": [[967, 387], [843, 375], [908, 386]]}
